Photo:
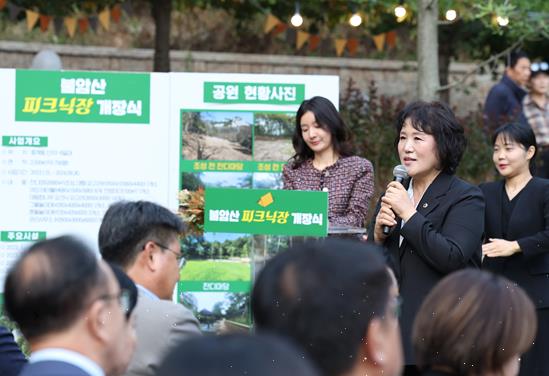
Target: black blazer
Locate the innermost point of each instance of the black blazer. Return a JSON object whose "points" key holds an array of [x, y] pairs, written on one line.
{"points": [[444, 235], [12, 359], [529, 225]]}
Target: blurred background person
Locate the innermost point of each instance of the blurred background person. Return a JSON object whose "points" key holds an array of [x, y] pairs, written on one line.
{"points": [[517, 230], [236, 355], [337, 301], [473, 323], [536, 111], [437, 222], [504, 101], [323, 161], [12, 359], [71, 309]]}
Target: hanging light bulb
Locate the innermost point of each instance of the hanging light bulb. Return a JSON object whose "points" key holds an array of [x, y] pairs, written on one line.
{"points": [[355, 20], [400, 11], [296, 19], [451, 15], [502, 21]]}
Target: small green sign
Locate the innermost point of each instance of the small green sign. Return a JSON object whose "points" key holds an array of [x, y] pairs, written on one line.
{"points": [[230, 166], [215, 286], [253, 92], [25, 141], [82, 97], [22, 236], [266, 211]]}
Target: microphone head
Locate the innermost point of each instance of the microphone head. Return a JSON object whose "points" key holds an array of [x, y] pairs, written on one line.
{"points": [[400, 172]]}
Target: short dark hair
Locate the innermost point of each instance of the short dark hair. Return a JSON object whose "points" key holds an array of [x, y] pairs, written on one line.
{"points": [[521, 134], [235, 355], [323, 295], [438, 120], [127, 225], [513, 57], [329, 119], [48, 288], [126, 284], [467, 320]]}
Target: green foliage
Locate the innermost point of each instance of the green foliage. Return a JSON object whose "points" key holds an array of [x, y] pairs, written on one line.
{"points": [[198, 248], [274, 124]]}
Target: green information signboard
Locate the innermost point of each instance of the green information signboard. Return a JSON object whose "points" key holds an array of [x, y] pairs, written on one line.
{"points": [[266, 211], [252, 92], [86, 97]]}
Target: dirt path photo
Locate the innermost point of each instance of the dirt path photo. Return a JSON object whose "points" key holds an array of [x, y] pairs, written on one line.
{"points": [[197, 146]]}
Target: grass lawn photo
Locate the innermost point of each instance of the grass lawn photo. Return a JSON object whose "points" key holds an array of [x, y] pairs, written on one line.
{"points": [[216, 270]]}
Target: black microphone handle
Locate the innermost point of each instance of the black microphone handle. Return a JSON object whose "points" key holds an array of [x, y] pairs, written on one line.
{"points": [[387, 229]]}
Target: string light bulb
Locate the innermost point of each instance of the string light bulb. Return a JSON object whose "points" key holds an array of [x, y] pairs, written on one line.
{"points": [[400, 11], [296, 19], [451, 15], [355, 20], [502, 21]]}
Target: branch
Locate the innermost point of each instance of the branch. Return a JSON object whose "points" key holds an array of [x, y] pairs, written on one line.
{"points": [[492, 58]]}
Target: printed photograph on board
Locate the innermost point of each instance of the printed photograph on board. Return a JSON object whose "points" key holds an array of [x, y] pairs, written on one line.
{"points": [[273, 136], [217, 135]]}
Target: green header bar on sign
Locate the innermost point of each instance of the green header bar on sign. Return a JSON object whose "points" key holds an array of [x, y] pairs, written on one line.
{"points": [[266, 211], [82, 97], [25, 141], [230, 166], [22, 236], [215, 286], [252, 92]]}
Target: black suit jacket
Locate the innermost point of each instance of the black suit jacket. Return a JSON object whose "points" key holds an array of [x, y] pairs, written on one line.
{"points": [[444, 235], [52, 368], [11, 357], [529, 225]]}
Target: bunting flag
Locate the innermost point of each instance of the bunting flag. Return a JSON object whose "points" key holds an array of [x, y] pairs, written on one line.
{"points": [[270, 23], [116, 13], [105, 18], [70, 24], [379, 41], [340, 46], [32, 18], [93, 22], [44, 22], [314, 41], [301, 39], [83, 24], [352, 46], [391, 39], [280, 28], [58, 25], [2, 4]]}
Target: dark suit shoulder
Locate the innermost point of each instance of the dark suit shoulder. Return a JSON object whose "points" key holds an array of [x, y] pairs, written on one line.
{"points": [[490, 187], [52, 368], [460, 187]]}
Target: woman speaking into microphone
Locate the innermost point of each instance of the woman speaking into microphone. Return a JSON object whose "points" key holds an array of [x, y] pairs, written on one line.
{"points": [[323, 161], [437, 223]]}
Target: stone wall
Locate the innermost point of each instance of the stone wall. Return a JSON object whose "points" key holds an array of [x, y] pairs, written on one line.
{"points": [[393, 78]]}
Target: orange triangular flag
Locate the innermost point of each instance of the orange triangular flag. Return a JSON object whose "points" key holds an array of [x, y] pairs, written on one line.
{"points": [[352, 45], [270, 23], [379, 41], [314, 41], [280, 28], [302, 37], [391, 39], [70, 24], [44, 22], [2, 4], [116, 13], [32, 18], [340, 46], [105, 18], [83, 24]]}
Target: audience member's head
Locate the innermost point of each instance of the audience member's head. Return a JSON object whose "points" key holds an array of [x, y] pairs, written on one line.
{"points": [[62, 296], [235, 355], [539, 79], [518, 67], [337, 301], [143, 238], [474, 323]]}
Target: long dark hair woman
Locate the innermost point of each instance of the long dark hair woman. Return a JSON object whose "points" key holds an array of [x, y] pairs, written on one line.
{"points": [[517, 230], [437, 222], [323, 161]]}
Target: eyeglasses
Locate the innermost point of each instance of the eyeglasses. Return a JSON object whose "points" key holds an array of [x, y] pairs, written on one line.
{"points": [[178, 255], [124, 300], [541, 66]]}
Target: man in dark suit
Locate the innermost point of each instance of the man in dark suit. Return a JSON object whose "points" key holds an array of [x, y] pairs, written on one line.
{"points": [[11, 357], [71, 309], [143, 238]]}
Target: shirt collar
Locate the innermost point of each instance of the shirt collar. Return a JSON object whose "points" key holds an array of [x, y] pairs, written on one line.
{"points": [[67, 356], [518, 91], [148, 293]]}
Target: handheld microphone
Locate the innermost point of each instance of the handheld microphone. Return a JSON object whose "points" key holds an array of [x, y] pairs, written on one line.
{"points": [[400, 174]]}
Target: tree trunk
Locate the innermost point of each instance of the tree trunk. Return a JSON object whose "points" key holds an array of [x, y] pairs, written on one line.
{"points": [[162, 12], [427, 50]]}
